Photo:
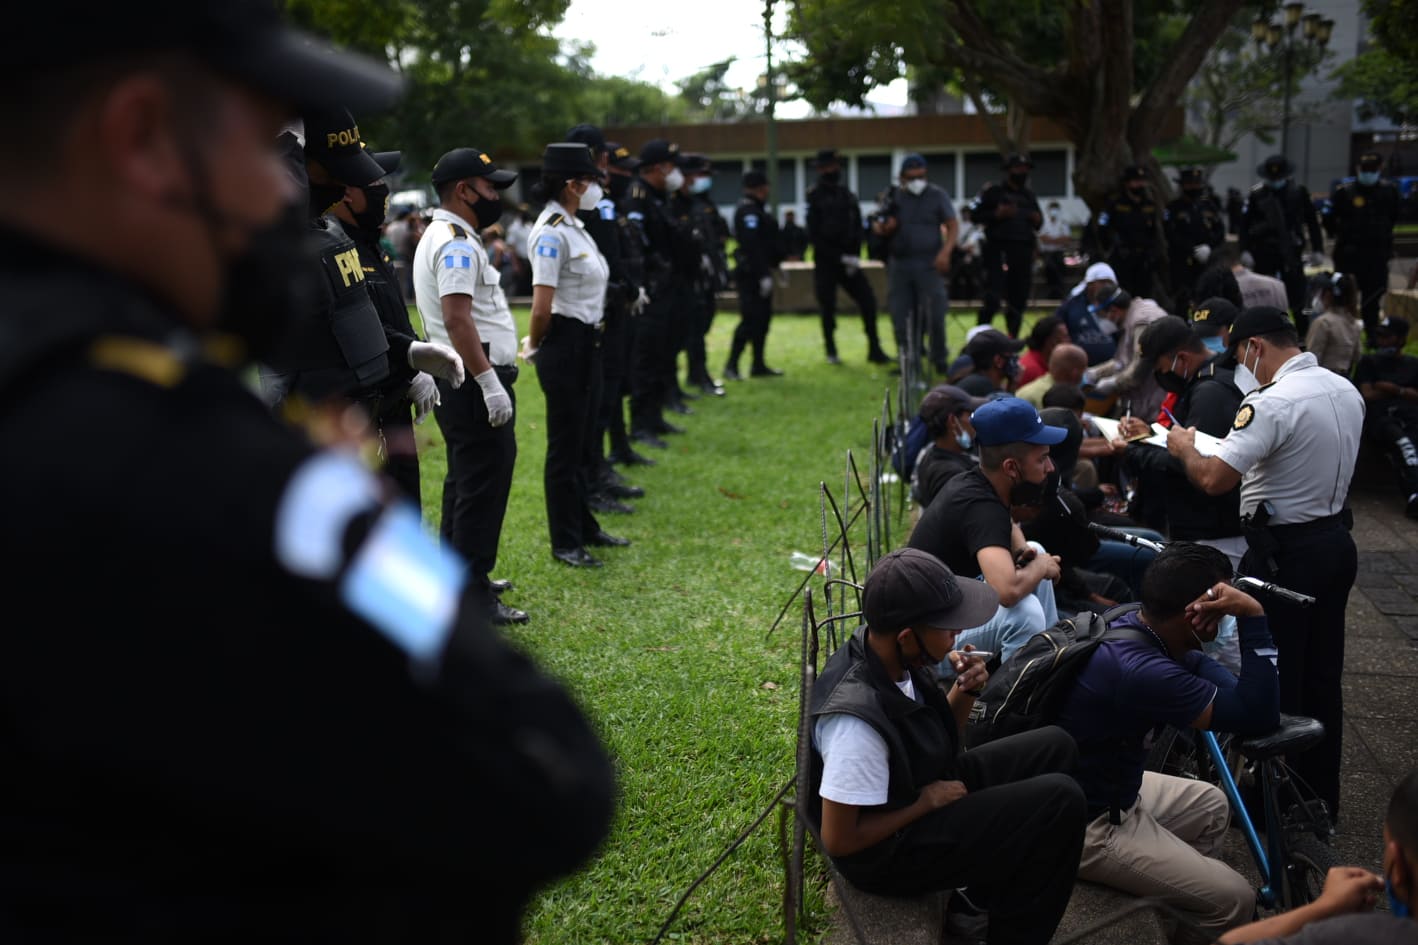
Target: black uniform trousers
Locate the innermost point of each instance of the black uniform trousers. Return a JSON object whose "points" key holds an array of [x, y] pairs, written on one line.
{"points": [[1134, 271], [481, 458], [615, 370], [755, 312], [1009, 272], [1317, 558], [401, 455], [1015, 839], [1393, 429], [699, 314], [569, 372], [827, 275], [1370, 270], [650, 349]]}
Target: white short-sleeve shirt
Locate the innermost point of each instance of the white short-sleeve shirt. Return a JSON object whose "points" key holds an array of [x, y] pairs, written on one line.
{"points": [[856, 765], [451, 260], [565, 257], [1295, 441]]}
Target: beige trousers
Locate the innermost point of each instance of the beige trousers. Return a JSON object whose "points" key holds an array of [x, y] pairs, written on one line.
{"points": [[1163, 848]]}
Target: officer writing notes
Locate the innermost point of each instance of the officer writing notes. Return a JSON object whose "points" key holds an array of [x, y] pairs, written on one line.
{"points": [[461, 303], [244, 695], [759, 254], [1194, 227], [1292, 448], [1361, 217]]}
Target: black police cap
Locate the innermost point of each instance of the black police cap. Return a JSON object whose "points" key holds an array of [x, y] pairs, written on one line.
{"points": [[754, 179], [1275, 167], [243, 40], [621, 157], [588, 135], [1134, 172], [1210, 316], [659, 151], [1192, 175], [1371, 161], [1258, 320], [332, 140], [826, 156], [462, 163], [569, 159], [698, 163], [1016, 160]]}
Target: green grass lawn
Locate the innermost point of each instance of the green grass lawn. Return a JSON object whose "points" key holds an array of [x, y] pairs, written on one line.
{"points": [[665, 647]]}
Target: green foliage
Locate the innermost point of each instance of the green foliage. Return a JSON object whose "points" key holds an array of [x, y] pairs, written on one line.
{"points": [[485, 73], [1385, 77]]}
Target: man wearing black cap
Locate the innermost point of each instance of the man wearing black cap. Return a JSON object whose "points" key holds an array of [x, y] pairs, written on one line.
{"points": [[1211, 320], [971, 526], [1009, 212], [995, 356], [1291, 448], [646, 206], [339, 352], [1194, 227], [757, 259], [1207, 400], [1388, 380], [901, 810], [834, 227], [1360, 216], [1127, 231], [945, 411], [461, 303], [202, 768], [412, 363], [1278, 214]]}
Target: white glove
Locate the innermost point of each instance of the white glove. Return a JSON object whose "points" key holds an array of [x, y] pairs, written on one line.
{"points": [[499, 405], [438, 360], [528, 353], [853, 263], [706, 264], [1315, 259], [1201, 253], [423, 391], [765, 286], [641, 300]]}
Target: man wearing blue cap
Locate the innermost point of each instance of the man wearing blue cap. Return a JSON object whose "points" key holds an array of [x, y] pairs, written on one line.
{"points": [[971, 524], [920, 222]]}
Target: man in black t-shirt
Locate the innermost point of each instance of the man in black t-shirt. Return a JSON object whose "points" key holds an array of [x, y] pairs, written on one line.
{"points": [[971, 526], [945, 410], [1388, 379]]}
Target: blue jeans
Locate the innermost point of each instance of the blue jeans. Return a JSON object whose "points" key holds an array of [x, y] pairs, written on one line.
{"points": [[914, 287], [1010, 627], [1123, 561]]}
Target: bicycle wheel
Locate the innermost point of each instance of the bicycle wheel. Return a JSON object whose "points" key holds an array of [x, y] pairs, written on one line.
{"points": [[1307, 864]]}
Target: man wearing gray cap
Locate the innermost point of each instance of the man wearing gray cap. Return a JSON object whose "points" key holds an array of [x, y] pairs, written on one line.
{"points": [[243, 697], [901, 809], [945, 411]]}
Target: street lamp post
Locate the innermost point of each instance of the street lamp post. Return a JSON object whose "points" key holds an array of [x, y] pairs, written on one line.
{"points": [[1313, 30]]}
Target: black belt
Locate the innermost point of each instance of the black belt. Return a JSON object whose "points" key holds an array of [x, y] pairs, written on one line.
{"points": [[598, 327], [1305, 528]]}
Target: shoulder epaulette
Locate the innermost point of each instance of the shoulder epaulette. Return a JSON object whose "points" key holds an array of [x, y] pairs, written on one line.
{"points": [[556, 219], [458, 231], [144, 360]]}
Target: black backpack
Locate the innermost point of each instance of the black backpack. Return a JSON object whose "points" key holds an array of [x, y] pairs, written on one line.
{"points": [[1029, 689]]}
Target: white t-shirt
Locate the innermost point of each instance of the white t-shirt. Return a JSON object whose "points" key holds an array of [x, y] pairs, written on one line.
{"points": [[855, 761], [448, 264]]}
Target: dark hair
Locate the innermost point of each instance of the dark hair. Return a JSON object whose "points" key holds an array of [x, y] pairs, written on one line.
{"points": [[1218, 281], [993, 457], [1343, 292], [1280, 338], [548, 188], [1043, 328], [1179, 575], [445, 188], [1068, 396], [1402, 816]]}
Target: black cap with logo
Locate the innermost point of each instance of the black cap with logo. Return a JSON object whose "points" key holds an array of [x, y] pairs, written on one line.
{"points": [[621, 157], [332, 140], [462, 163], [659, 151], [1258, 320]]}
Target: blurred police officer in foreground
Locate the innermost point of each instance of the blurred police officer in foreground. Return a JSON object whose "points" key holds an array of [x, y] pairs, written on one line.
{"points": [[1194, 227], [229, 715], [1361, 217], [361, 212], [1277, 217]]}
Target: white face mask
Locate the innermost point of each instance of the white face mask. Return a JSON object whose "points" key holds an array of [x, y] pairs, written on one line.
{"points": [[591, 197], [917, 186], [674, 180], [1246, 381]]}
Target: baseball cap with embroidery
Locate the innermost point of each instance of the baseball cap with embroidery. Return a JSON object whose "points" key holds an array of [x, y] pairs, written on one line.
{"points": [[621, 157], [462, 163], [1011, 420], [332, 140]]}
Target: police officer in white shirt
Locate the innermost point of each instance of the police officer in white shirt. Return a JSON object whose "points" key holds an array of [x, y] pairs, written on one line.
{"points": [[1292, 448], [461, 302], [569, 279]]}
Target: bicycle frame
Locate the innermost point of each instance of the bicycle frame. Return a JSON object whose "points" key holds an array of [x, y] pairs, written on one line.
{"points": [[1258, 852]]}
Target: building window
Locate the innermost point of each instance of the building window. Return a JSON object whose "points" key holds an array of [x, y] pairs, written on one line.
{"points": [[940, 168], [873, 175], [728, 182], [787, 178], [1050, 174]]}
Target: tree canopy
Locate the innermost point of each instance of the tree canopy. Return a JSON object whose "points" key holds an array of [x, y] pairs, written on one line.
{"points": [[1384, 78]]}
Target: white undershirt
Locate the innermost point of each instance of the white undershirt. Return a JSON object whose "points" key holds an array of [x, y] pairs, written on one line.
{"points": [[856, 765]]}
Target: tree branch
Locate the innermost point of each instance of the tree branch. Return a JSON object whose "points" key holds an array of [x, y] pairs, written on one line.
{"points": [[1180, 64]]}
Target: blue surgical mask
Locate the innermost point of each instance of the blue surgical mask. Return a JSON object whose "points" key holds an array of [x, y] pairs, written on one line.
{"points": [[1277, 184], [701, 185], [965, 440], [1214, 343], [1397, 906], [1368, 178], [1386, 352]]}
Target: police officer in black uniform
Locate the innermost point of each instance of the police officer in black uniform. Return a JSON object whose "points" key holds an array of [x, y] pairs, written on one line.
{"points": [[1388, 381], [1360, 217], [1009, 212], [759, 254], [1278, 214], [834, 227], [412, 363], [697, 216], [621, 166], [712, 233], [1127, 233], [1194, 227], [227, 709], [607, 487], [342, 352], [646, 206]]}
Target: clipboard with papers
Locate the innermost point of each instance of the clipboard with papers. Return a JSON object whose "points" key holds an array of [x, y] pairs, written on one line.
{"points": [[1206, 444]]}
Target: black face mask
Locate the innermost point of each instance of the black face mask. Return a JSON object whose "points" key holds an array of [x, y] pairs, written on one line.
{"points": [[271, 286], [485, 212], [1170, 382], [1032, 494], [1135, 193], [323, 197], [376, 207], [831, 177], [1018, 180], [1011, 367]]}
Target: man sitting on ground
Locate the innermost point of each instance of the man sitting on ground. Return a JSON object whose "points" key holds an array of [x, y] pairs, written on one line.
{"points": [[945, 411], [995, 359], [1067, 362], [901, 810], [971, 526], [1153, 834], [1338, 916]]}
